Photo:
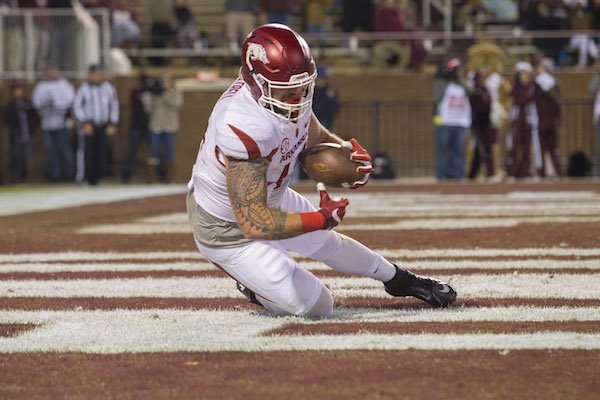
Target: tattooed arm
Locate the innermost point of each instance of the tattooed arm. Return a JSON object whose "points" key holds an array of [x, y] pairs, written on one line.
{"points": [[247, 188]]}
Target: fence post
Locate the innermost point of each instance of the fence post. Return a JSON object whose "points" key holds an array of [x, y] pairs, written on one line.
{"points": [[30, 46]]}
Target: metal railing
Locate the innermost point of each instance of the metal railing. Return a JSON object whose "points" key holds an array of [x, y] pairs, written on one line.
{"points": [[69, 38], [405, 131]]}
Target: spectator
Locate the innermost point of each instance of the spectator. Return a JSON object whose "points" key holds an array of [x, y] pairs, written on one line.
{"points": [[96, 108], [481, 126], [20, 119], [453, 117], [240, 19], [390, 17], [315, 15], [547, 99], [549, 15], [276, 11], [524, 123], [526, 13], [580, 19], [53, 98], [124, 30], [163, 106], [472, 16], [357, 15], [162, 28], [595, 10], [187, 30], [138, 123], [594, 87], [325, 99], [40, 43], [504, 11]]}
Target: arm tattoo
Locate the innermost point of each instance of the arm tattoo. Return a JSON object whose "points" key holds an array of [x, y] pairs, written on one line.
{"points": [[247, 189]]}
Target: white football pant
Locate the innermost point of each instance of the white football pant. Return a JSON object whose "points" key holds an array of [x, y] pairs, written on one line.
{"points": [[280, 284]]}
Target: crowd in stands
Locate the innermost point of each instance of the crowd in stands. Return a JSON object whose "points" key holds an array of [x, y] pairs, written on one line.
{"points": [[173, 24]]}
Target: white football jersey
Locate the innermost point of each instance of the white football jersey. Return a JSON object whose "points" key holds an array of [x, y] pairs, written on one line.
{"points": [[240, 128]]}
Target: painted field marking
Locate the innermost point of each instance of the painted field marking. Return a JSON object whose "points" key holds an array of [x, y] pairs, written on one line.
{"points": [[144, 227], [511, 285], [201, 265], [388, 253], [122, 331]]}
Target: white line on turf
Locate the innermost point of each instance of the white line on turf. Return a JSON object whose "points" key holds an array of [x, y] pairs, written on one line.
{"points": [[146, 228], [121, 331], [593, 264], [512, 285], [389, 253]]}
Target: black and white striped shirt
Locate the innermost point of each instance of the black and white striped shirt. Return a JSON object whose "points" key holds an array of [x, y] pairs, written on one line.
{"points": [[97, 104]]}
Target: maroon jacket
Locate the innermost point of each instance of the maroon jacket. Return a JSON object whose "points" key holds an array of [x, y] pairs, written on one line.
{"points": [[548, 107]]}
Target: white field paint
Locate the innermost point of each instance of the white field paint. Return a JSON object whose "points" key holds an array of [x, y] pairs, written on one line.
{"points": [[388, 253], [61, 196], [310, 265], [148, 228], [510, 285], [121, 331]]}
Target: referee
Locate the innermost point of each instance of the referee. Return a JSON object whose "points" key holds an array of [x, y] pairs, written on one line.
{"points": [[96, 108]]}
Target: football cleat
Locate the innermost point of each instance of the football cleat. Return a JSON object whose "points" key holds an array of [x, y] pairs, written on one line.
{"points": [[432, 291], [250, 295]]}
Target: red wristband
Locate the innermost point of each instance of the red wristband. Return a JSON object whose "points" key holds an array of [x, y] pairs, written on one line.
{"points": [[312, 221]]}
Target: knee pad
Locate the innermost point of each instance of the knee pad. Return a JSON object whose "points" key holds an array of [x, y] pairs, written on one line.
{"points": [[323, 308]]}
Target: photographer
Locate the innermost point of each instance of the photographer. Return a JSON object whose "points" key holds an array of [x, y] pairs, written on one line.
{"points": [[162, 102], [138, 124]]}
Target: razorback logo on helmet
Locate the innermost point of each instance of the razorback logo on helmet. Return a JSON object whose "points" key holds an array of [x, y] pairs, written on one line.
{"points": [[256, 52]]}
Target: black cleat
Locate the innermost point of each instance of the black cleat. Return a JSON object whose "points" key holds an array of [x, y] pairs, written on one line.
{"points": [[250, 295], [434, 292]]}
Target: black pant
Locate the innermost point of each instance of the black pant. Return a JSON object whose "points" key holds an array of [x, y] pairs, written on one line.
{"points": [[95, 154]]}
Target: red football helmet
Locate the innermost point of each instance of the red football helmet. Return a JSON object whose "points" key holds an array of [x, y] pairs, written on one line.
{"points": [[276, 59]]}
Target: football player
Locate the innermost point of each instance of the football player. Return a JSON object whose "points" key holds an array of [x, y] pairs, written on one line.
{"points": [[246, 219]]}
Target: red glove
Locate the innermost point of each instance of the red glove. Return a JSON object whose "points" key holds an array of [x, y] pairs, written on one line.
{"points": [[359, 155], [333, 210]]}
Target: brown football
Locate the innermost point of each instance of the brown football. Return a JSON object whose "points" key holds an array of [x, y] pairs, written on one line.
{"points": [[330, 163]]}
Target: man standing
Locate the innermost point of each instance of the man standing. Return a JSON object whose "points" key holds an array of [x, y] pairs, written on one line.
{"points": [[244, 216], [96, 108], [453, 117], [53, 99], [20, 119]]}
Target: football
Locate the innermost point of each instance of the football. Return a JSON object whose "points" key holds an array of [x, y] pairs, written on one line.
{"points": [[330, 163]]}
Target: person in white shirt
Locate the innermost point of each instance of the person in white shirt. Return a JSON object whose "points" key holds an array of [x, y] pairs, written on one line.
{"points": [[245, 219], [453, 117], [53, 98]]}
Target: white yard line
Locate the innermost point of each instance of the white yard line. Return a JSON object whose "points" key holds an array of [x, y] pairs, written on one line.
{"points": [[121, 331], [150, 228], [57, 197], [389, 253], [310, 265], [512, 285]]}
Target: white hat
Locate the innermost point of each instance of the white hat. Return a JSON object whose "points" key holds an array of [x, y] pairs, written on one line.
{"points": [[523, 66]]}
